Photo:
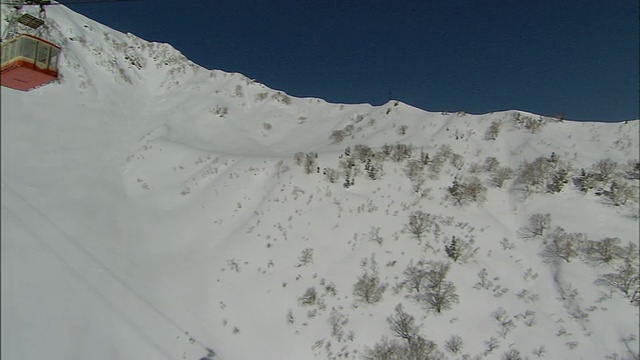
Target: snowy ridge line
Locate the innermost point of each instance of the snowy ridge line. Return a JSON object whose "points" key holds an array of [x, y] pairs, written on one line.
{"points": [[60, 242]]}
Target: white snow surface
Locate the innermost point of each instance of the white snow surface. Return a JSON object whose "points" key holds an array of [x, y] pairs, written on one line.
{"points": [[153, 209]]}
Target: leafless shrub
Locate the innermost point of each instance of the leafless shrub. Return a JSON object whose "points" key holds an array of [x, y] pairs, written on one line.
{"points": [[475, 168], [238, 91], [261, 96], [401, 152], [454, 344], [310, 163], [363, 152], [530, 123], [632, 170], [332, 175], [309, 297], [491, 345], [282, 97], [493, 130], [414, 169], [337, 136], [299, 158], [491, 164], [457, 161], [512, 354], [337, 321], [402, 129], [504, 321], [539, 351], [220, 111], [306, 257]]}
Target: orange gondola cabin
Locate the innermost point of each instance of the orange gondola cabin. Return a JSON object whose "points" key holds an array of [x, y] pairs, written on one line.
{"points": [[28, 62]]}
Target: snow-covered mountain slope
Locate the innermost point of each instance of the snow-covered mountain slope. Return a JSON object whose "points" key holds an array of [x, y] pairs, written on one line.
{"points": [[155, 209]]}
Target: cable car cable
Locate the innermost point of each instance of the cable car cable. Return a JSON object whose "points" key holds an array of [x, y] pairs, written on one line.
{"points": [[92, 258], [16, 3]]}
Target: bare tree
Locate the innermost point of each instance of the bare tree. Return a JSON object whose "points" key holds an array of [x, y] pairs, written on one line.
{"points": [[538, 224], [565, 246], [438, 294], [414, 169], [532, 176], [363, 152], [419, 223], [604, 169], [625, 279], [603, 251], [385, 349], [368, 288], [401, 152], [475, 191], [491, 164], [415, 275], [464, 192], [392, 349], [620, 193], [403, 325], [499, 175]]}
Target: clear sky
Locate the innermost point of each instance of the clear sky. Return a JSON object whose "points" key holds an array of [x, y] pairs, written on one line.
{"points": [[576, 57]]}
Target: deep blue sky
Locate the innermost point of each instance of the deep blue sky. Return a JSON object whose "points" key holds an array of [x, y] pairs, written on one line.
{"points": [[577, 57]]}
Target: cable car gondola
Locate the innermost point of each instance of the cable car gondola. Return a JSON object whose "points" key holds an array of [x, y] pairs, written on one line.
{"points": [[28, 61]]}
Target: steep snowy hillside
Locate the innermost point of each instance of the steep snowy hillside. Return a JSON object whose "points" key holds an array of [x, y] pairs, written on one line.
{"points": [[155, 209]]}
